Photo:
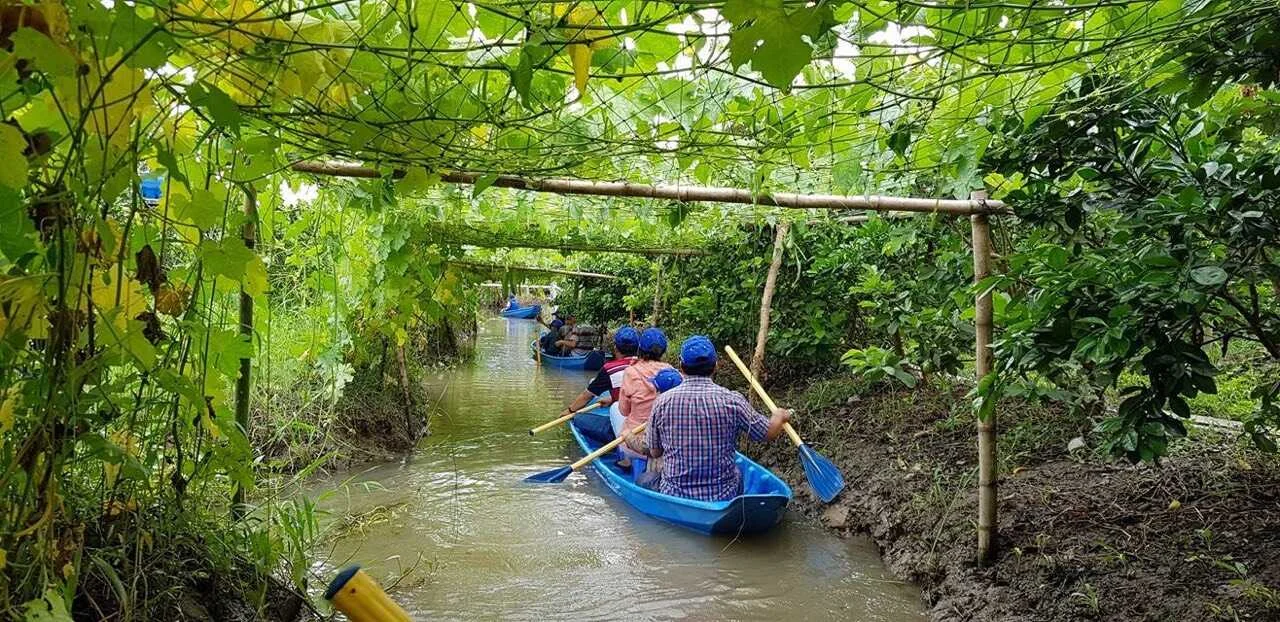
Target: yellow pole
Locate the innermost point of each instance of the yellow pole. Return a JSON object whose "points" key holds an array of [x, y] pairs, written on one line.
{"points": [[361, 599], [755, 384]]}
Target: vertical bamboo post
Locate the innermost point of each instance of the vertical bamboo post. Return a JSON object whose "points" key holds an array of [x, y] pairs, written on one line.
{"points": [[249, 233], [410, 428], [766, 300], [982, 320], [657, 295]]}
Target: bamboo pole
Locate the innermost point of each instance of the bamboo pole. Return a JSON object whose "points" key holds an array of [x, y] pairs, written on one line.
{"points": [[657, 296], [861, 218], [249, 233], [983, 363], [569, 247], [684, 194], [489, 266], [409, 427], [766, 299]]}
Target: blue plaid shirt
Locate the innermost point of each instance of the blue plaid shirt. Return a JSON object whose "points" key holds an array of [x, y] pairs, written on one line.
{"points": [[696, 425]]}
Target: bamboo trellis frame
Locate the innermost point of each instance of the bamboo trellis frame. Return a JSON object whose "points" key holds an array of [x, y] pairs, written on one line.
{"points": [[476, 265], [685, 194], [978, 207]]}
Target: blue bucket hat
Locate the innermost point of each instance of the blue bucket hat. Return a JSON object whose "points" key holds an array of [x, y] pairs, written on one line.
{"points": [[556, 323], [652, 341], [697, 351], [626, 337], [667, 379]]}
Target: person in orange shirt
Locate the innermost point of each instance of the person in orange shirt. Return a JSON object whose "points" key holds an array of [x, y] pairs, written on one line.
{"points": [[636, 397]]}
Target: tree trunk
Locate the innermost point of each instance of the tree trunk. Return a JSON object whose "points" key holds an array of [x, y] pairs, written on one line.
{"points": [[766, 300], [657, 296], [250, 236], [411, 429], [983, 363]]}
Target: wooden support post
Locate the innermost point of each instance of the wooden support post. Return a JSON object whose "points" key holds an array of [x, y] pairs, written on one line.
{"points": [[249, 232], [410, 427], [766, 300], [657, 296], [983, 363]]}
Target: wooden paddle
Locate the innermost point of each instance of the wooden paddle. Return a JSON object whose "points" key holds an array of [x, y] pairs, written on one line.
{"points": [[824, 478], [556, 476], [555, 422]]}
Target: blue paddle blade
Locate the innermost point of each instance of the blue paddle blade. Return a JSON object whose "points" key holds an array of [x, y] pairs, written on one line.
{"points": [[824, 478], [554, 476]]}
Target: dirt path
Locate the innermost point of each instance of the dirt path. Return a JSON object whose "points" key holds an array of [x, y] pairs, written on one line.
{"points": [[1197, 538]]}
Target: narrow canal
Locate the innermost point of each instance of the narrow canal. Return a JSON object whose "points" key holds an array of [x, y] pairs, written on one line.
{"points": [[486, 546]]}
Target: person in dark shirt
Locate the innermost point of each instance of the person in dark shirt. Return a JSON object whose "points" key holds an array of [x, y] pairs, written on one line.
{"points": [[608, 380]]}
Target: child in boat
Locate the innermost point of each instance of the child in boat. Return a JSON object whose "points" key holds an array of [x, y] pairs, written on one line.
{"points": [[635, 399]]}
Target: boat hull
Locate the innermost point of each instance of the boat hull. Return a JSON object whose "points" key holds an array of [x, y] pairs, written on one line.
{"points": [[522, 313], [592, 361], [760, 508]]}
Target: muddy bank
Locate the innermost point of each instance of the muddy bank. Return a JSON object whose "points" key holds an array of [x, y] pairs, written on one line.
{"points": [[1082, 538]]}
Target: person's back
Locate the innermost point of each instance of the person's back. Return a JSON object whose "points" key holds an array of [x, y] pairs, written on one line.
{"points": [[637, 395], [694, 428], [697, 425]]}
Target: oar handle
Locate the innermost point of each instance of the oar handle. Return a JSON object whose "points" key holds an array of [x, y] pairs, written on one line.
{"points": [[589, 458], [755, 384], [559, 420]]}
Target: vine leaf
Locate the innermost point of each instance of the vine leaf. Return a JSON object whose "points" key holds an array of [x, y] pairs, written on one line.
{"points": [[222, 110], [771, 39], [1209, 276], [232, 259], [14, 172]]}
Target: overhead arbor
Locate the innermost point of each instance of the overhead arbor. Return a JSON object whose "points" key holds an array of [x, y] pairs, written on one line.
{"points": [[758, 104]]}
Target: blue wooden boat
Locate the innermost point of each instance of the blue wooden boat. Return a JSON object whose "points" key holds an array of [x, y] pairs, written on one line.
{"points": [[759, 508], [591, 361], [522, 313]]}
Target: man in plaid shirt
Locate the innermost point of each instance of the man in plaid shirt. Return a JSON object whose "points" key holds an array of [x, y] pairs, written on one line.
{"points": [[694, 429]]}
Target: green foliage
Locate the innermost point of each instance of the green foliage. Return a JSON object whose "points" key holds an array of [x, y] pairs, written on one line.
{"points": [[876, 364], [1150, 247]]}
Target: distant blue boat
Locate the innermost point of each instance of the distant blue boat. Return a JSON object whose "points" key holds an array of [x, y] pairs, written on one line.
{"points": [[759, 508], [591, 361], [522, 313]]}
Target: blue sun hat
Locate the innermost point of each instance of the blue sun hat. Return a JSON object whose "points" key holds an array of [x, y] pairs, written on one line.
{"points": [[697, 351], [653, 341], [626, 337], [667, 379]]}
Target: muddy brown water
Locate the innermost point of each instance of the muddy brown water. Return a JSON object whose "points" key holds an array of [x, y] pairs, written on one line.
{"points": [[473, 542]]}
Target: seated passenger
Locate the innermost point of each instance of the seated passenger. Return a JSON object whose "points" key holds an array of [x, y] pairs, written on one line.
{"points": [[635, 398], [608, 380], [547, 342], [694, 429], [567, 339], [512, 302], [651, 468]]}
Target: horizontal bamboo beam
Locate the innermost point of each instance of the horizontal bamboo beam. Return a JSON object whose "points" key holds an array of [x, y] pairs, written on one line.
{"points": [[586, 248], [475, 265], [685, 194]]}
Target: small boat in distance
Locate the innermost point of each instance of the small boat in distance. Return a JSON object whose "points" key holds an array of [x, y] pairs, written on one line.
{"points": [[590, 361], [521, 313], [760, 506]]}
